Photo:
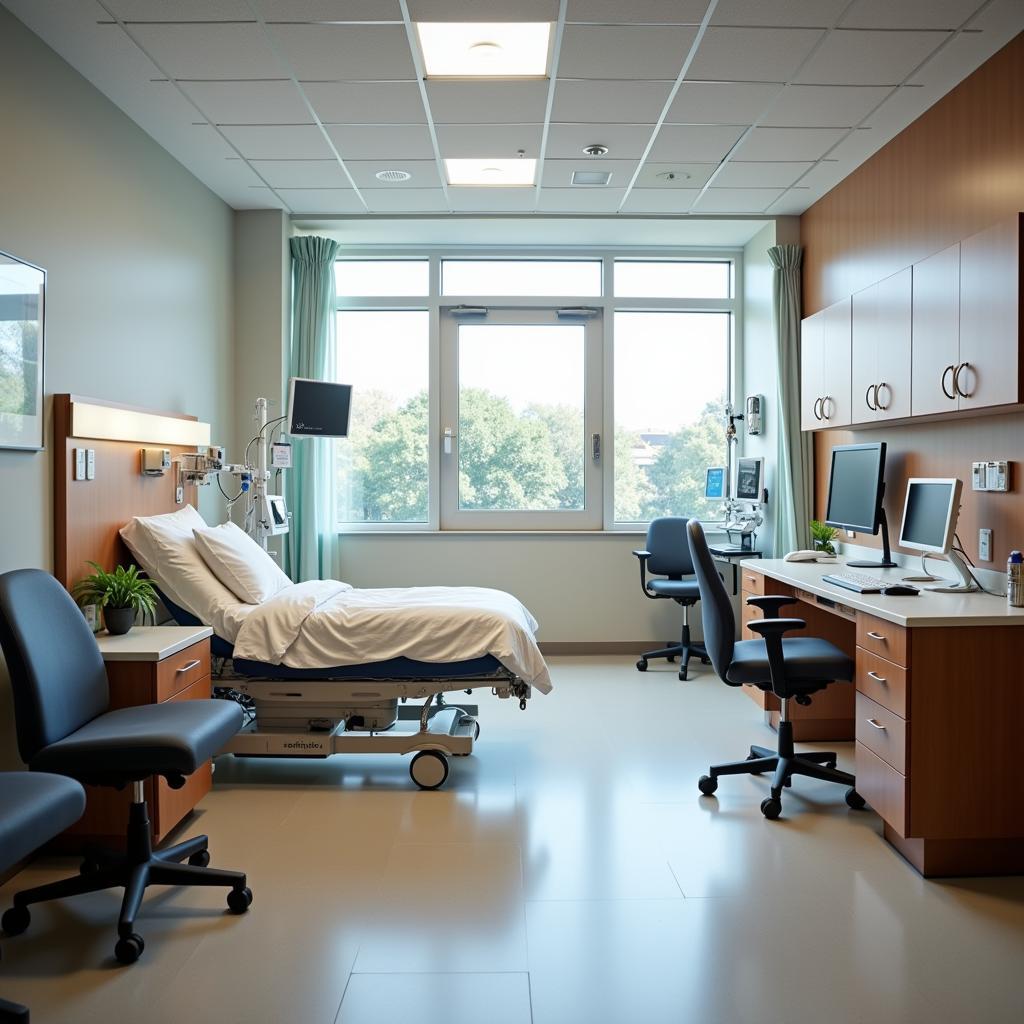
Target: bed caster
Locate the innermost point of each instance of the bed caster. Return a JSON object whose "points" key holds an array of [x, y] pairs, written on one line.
{"points": [[15, 920], [200, 859], [855, 800], [707, 784], [429, 769], [771, 808], [129, 948], [240, 900], [641, 665]]}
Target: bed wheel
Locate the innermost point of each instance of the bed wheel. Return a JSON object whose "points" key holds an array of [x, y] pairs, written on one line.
{"points": [[429, 769]]}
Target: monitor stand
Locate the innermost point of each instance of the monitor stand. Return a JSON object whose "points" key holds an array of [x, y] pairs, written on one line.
{"points": [[967, 583], [886, 560]]}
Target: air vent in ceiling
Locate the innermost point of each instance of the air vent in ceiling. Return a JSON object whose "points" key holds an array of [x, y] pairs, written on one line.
{"points": [[393, 175], [591, 177]]}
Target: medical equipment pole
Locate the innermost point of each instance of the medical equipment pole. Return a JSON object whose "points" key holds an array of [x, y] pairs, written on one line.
{"points": [[260, 476]]}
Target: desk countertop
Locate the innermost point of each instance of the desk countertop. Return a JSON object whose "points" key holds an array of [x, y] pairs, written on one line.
{"points": [[150, 643], [926, 609]]}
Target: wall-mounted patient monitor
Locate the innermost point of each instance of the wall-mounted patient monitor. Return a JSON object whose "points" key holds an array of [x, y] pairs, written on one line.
{"points": [[749, 480], [714, 482], [318, 408]]}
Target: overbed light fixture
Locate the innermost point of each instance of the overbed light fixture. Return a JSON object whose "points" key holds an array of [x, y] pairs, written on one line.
{"points": [[114, 423], [514, 173], [485, 49]]}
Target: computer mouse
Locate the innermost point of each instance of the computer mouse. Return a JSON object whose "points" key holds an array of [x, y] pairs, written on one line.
{"points": [[899, 590]]}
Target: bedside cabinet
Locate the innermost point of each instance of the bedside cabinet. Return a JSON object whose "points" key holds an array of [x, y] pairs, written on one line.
{"points": [[148, 665]]}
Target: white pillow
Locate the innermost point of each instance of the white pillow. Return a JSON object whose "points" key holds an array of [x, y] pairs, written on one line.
{"points": [[137, 537], [240, 563]]}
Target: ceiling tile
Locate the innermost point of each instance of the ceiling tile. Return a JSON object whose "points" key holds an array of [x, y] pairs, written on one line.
{"points": [[752, 54], [558, 173], [660, 200], [483, 10], [505, 200], [329, 10], [784, 13], [180, 10], [869, 58], [388, 142], [249, 102], [487, 102], [301, 173], [322, 200], [631, 51], [580, 200], [775, 174], [824, 106], [210, 51], [405, 200], [661, 12], [366, 102], [567, 141], [278, 142], [721, 102], [686, 176], [424, 175], [627, 102], [255, 198], [489, 140], [916, 14], [704, 143], [824, 175], [736, 200], [345, 52], [793, 202], [957, 59], [788, 143]]}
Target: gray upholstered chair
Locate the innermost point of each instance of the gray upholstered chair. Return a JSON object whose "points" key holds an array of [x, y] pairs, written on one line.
{"points": [[60, 707], [791, 668], [667, 555], [33, 809]]}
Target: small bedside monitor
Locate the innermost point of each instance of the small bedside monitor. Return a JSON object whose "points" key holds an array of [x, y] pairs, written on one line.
{"points": [[749, 480], [714, 482]]}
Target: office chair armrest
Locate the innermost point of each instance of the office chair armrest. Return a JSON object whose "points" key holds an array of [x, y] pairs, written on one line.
{"points": [[772, 630], [771, 604], [642, 557], [769, 628]]}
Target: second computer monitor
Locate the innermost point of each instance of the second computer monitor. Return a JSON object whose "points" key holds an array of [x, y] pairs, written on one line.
{"points": [[856, 486], [929, 514]]}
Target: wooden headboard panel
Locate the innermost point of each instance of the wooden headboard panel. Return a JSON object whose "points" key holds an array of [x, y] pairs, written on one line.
{"points": [[87, 514]]}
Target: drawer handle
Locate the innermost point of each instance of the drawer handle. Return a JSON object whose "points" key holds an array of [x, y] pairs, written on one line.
{"points": [[188, 667], [876, 636], [875, 724], [753, 579], [877, 677]]}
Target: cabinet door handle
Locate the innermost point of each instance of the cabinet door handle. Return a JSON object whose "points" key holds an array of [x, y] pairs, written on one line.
{"points": [[876, 636], [817, 408], [956, 381], [878, 387], [187, 667], [945, 390], [876, 676], [825, 415], [867, 398], [875, 724]]}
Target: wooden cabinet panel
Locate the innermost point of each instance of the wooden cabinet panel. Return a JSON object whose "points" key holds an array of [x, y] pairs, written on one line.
{"points": [[882, 681], [752, 581], [882, 638], [812, 384], [836, 407], [935, 330], [990, 297], [884, 788], [882, 732]]}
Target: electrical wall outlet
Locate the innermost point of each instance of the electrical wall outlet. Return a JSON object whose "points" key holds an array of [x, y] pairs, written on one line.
{"points": [[984, 545]]}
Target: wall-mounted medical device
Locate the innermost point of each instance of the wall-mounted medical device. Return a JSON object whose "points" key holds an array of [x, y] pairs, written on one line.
{"points": [[990, 476], [155, 461], [275, 514], [755, 414], [716, 480]]}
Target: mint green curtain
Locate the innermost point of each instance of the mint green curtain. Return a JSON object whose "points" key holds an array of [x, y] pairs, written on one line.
{"points": [[791, 503], [310, 489]]}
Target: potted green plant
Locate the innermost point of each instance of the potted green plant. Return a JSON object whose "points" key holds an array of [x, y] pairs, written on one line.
{"points": [[823, 537], [121, 594]]}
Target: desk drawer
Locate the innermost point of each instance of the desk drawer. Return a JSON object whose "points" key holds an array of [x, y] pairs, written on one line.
{"points": [[752, 582], [882, 681], [882, 638], [884, 788], [882, 732], [181, 670]]}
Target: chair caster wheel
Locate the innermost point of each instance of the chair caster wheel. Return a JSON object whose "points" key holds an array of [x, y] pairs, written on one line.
{"points": [[830, 764], [240, 900], [672, 658], [855, 800], [200, 859], [771, 808], [15, 920], [88, 867], [129, 949], [705, 660], [754, 757], [707, 784], [682, 674], [641, 665]]}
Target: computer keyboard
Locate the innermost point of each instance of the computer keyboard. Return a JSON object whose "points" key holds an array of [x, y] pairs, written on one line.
{"points": [[856, 581]]}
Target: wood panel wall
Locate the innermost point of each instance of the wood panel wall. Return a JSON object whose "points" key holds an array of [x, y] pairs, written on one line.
{"points": [[956, 170]]}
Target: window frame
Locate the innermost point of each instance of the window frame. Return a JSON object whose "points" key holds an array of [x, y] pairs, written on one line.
{"points": [[607, 304]]}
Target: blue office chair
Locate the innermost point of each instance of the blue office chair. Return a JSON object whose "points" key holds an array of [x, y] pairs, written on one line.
{"points": [[668, 555], [791, 668], [64, 726]]}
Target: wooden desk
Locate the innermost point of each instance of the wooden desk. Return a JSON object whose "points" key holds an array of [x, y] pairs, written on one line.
{"points": [[939, 713]]}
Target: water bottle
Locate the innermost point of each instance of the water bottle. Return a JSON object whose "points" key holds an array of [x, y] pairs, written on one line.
{"points": [[1015, 580]]}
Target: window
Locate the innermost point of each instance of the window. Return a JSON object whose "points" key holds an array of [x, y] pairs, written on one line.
{"points": [[518, 394]]}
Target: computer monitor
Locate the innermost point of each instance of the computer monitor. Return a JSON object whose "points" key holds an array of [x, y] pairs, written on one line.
{"points": [[856, 486], [714, 482], [930, 512], [318, 408], [749, 480]]}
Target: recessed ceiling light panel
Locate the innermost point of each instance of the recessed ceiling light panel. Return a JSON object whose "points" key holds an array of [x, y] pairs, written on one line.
{"points": [[497, 173], [485, 49], [591, 177]]}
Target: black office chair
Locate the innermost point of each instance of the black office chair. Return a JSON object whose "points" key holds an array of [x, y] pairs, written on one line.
{"points": [[60, 707], [668, 555], [792, 669], [33, 809]]}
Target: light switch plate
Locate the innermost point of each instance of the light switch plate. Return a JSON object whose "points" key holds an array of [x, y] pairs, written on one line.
{"points": [[984, 545], [79, 464], [90, 463]]}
